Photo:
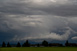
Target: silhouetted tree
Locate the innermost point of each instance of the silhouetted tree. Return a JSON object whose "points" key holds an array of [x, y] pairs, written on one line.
{"points": [[18, 45], [55, 45], [50, 45], [8, 44], [3, 44], [66, 44], [26, 44], [45, 43], [38, 45]]}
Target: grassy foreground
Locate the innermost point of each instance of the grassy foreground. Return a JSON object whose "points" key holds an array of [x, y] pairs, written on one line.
{"points": [[40, 49]]}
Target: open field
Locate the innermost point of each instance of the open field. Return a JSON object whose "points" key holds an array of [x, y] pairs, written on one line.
{"points": [[40, 49]]}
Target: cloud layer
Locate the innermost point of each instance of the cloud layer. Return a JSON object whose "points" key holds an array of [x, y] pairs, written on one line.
{"points": [[38, 19]]}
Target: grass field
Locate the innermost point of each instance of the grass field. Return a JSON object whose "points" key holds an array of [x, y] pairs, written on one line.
{"points": [[40, 49]]}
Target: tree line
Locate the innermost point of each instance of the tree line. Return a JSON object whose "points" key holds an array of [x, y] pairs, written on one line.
{"points": [[43, 44]]}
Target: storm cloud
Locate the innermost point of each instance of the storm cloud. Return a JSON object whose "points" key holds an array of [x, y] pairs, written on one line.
{"points": [[38, 19]]}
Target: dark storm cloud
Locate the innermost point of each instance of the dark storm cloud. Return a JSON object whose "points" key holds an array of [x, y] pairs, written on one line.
{"points": [[68, 8], [18, 7], [31, 8], [35, 27], [63, 10], [38, 19]]}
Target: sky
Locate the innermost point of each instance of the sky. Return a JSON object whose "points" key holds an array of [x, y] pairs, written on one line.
{"points": [[38, 20]]}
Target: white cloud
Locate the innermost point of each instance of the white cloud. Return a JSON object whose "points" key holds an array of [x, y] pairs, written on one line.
{"points": [[74, 38]]}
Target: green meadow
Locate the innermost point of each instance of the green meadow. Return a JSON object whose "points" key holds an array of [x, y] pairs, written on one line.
{"points": [[40, 49]]}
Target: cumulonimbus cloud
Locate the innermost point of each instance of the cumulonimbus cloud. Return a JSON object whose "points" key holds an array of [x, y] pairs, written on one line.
{"points": [[28, 19]]}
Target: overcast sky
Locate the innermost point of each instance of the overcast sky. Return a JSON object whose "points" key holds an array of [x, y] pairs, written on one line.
{"points": [[38, 19]]}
